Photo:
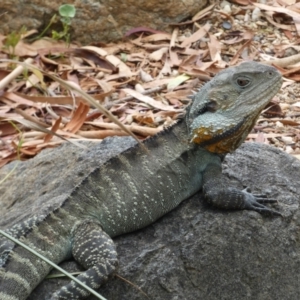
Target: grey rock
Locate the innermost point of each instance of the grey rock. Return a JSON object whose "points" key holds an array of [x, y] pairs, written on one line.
{"points": [[98, 21], [194, 252]]}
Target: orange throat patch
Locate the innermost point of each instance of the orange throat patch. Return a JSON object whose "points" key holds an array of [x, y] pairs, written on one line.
{"points": [[221, 141]]}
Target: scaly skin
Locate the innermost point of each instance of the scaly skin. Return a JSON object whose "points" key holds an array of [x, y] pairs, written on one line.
{"points": [[134, 189]]}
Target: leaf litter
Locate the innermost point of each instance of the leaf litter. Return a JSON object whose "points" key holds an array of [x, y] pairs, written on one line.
{"points": [[145, 80]]}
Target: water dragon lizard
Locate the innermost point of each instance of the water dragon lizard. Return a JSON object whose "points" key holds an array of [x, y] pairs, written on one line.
{"points": [[135, 188]]}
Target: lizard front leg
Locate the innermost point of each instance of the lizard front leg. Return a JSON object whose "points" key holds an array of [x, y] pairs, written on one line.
{"points": [[218, 194], [95, 251]]}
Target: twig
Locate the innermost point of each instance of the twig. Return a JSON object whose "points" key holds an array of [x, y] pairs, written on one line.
{"points": [[127, 98], [127, 281], [115, 130], [15, 73]]}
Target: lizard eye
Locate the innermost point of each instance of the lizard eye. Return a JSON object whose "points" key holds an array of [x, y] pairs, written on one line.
{"points": [[242, 82]]}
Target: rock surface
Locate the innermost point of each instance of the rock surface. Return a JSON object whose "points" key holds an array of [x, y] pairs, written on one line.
{"points": [[194, 252], [98, 21]]}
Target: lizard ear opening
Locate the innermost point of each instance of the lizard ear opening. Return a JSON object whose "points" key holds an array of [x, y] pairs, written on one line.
{"points": [[208, 105], [211, 106]]}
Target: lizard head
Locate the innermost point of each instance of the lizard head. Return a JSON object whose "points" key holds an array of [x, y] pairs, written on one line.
{"points": [[225, 109]]}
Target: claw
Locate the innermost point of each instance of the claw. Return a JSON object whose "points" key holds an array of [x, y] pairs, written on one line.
{"points": [[260, 195], [267, 210], [256, 202], [265, 200]]}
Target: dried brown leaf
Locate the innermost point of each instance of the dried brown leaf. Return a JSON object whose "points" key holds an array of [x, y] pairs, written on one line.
{"points": [[238, 37], [242, 2], [271, 16], [215, 48], [295, 15], [148, 100], [158, 54], [166, 69], [124, 70], [54, 128], [21, 49], [272, 110], [238, 53], [49, 46], [94, 55], [266, 135], [20, 99], [5, 160], [200, 33], [32, 81], [78, 118], [7, 129], [60, 100], [144, 118], [174, 58], [156, 37]]}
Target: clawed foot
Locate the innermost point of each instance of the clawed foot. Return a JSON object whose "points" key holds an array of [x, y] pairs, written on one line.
{"points": [[254, 202]]}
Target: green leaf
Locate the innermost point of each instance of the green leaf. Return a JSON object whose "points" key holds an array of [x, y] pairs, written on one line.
{"points": [[67, 10], [124, 57]]}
